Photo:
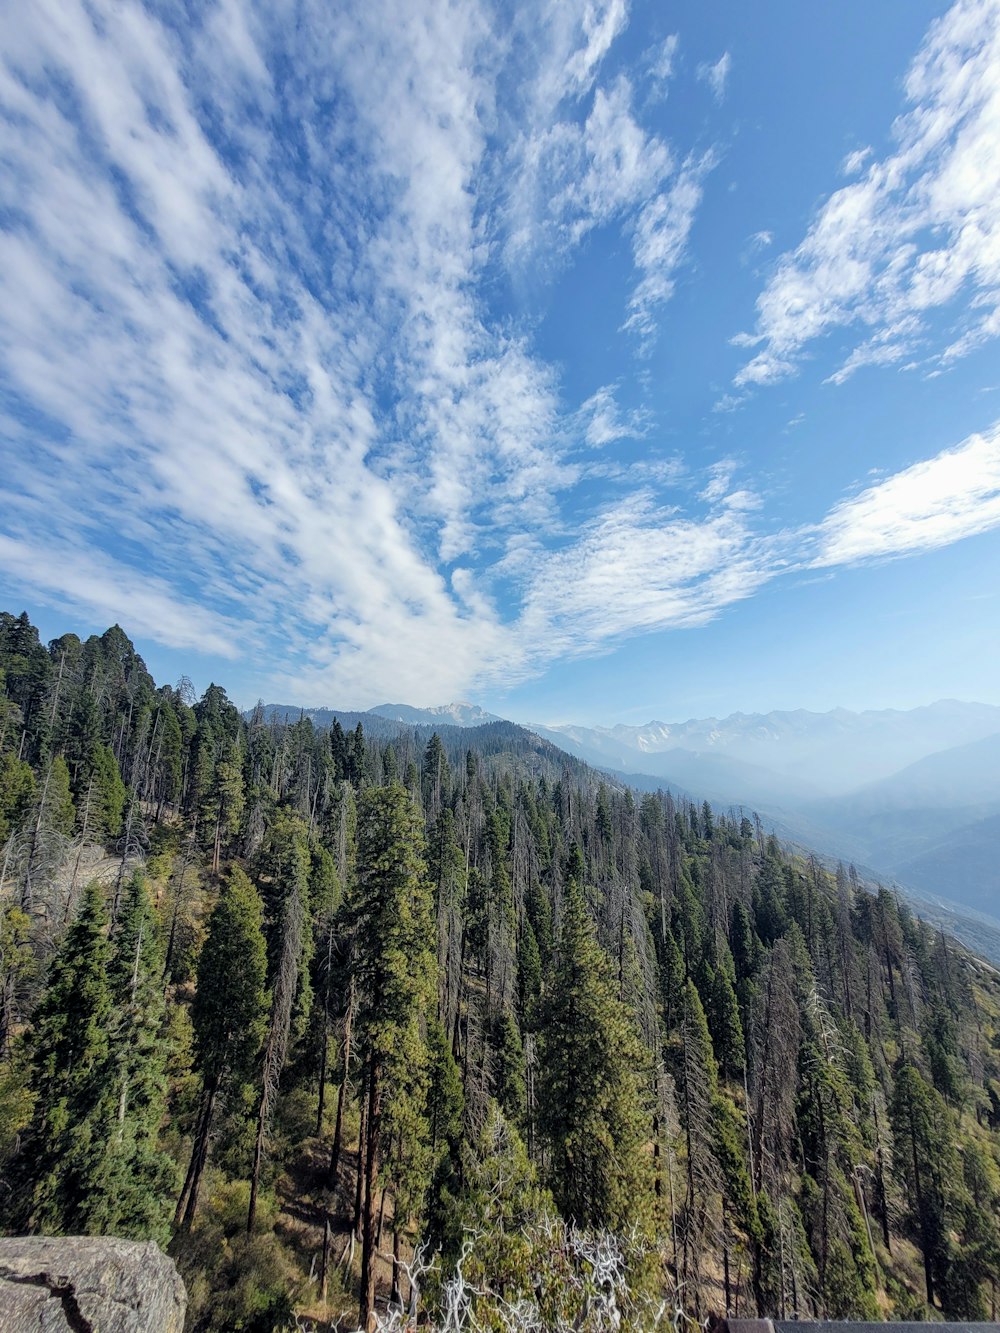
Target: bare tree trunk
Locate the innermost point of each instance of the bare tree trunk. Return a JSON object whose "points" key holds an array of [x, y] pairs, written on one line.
{"points": [[338, 1133], [187, 1204], [79, 852], [325, 1260], [324, 1052], [367, 1310], [360, 1179], [397, 1295], [178, 899]]}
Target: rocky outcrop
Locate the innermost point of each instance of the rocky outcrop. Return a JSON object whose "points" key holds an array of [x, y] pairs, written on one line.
{"points": [[88, 1284]]}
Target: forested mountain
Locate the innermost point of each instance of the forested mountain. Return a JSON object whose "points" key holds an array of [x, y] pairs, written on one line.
{"points": [[929, 827], [911, 795], [354, 1020]]}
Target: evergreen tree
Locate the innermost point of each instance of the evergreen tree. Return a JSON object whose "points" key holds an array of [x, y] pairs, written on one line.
{"points": [[137, 1177], [924, 1160], [229, 1015], [508, 1067], [529, 978], [17, 795], [18, 969], [109, 794], [445, 1104], [394, 979], [697, 1077], [291, 944], [63, 1156], [590, 1095]]}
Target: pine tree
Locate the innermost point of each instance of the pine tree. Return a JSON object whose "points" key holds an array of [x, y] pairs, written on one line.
{"points": [[18, 969], [109, 794], [229, 1015], [436, 777], [291, 944], [394, 977], [17, 795], [62, 1158], [138, 1179], [697, 1077], [227, 800], [924, 1160], [590, 1096], [443, 1114], [508, 1067], [529, 978]]}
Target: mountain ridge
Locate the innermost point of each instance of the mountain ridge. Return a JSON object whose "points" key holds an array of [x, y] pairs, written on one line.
{"points": [[928, 839]]}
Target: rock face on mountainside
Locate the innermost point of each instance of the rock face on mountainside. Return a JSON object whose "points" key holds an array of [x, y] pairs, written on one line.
{"points": [[88, 1284]]}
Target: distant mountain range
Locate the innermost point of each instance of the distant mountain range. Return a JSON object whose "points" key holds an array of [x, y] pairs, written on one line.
{"points": [[832, 753], [452, 715], [910, 795]]}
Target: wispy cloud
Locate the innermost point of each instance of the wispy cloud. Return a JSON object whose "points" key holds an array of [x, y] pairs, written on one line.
{"points": [[254, 397], [603, 421], [638, 567], [242, 337], [931, 504], [716, 75], [660, 243], [854, 161], [663, 63], [577, 169], [918, 228]]}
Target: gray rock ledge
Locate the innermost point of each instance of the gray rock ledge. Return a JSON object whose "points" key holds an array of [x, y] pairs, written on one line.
{"points": [[88, 1284]]}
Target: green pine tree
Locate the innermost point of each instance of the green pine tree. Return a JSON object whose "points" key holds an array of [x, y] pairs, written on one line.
{"points": [[138, 1178], [394, 974], [590, 1096], [62, 1159], [108, 795], [229, 1015]]}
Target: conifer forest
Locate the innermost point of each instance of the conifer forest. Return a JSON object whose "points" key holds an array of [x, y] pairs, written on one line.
{"points": [[375, 1025]]}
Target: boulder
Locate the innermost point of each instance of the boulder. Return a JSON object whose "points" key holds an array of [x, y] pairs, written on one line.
{"points": [[88, 1284]]}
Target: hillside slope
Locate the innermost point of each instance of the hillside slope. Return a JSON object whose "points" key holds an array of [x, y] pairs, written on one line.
{"points": [[465, 990]]}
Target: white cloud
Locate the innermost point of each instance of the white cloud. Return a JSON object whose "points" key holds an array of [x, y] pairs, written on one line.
{"points": [[75, 578], [254, 400], [263, 359], [663, 62], [931, 504], [623, 164], [575, 176], [642, 567], [571, 174], [660, 243], [854, 161], [764, 368], [917, 233], [601, 23], [717, 75], [214, 389], [719, 475], [603, 422]]}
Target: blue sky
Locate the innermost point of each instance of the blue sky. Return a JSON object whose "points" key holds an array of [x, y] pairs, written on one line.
{"points": [[593, 360]]}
